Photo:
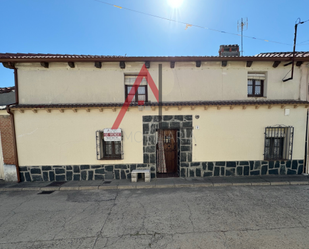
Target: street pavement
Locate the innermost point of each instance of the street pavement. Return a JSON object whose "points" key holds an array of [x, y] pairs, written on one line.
{"points": [[186, 216], [177, 182]]}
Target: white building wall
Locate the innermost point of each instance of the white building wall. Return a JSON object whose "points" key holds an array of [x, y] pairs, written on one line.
{"points": [[223, 135], [86, 84]]}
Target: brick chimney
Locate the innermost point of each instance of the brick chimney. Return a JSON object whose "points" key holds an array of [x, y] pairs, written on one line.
{"points": [[229, 50]]}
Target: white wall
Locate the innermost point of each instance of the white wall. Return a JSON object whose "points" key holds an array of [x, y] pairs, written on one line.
{"points": [[86, 84], [224, 135]]}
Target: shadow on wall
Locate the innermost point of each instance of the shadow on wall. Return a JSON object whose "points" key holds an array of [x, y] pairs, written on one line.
{"points": [[10, 173]]}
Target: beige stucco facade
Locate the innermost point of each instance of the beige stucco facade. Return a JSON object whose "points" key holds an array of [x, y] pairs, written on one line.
{"points": [[57, 140], [86, 84], [68, 138]]}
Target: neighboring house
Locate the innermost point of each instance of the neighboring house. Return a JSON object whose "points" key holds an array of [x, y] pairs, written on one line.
{"points": [[218, 115], [7, 150]]}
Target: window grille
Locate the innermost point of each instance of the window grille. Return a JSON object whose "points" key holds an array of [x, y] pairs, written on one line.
{"points": [[278, 143]]}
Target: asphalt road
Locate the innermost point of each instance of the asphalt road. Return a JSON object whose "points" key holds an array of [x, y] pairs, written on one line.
{"points": [[218, 217]]}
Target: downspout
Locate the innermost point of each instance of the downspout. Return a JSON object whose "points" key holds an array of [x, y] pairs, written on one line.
{"points": [[306, 164], [12, 66]]}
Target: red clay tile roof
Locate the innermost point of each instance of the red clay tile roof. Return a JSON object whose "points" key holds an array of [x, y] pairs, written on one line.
{"points": [[7, 89], [181, 103], [283, 54], [23, 57]]}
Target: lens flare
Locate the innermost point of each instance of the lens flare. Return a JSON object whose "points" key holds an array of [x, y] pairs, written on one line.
{"points": [[175, 3]]}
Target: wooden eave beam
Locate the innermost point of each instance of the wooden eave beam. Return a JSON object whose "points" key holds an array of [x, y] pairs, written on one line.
{"points": [[71, 64], [299, 63], [45, 64], [122, 64], [276, 64], [249, 63], [98, 64], [10, 65]]}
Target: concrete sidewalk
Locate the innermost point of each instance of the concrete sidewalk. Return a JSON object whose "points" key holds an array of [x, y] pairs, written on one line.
{"points": [[157, 183]]}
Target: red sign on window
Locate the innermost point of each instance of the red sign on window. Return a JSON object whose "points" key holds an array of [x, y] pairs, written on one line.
{"points": [[112, 134]]}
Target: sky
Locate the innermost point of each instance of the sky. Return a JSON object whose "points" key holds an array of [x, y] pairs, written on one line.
{"points": [[97, 27]]}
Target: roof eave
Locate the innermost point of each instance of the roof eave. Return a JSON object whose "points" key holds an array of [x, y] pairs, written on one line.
{"points": [[152, 59]]}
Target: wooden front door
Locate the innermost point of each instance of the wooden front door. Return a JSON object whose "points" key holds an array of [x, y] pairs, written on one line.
{"points": [[170, 150]]}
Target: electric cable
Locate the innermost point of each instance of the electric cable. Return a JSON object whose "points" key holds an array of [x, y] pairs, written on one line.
{"points": [[193, 25]]}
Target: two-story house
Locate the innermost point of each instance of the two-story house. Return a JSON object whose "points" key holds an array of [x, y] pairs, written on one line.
{"points": [[82, 117]]}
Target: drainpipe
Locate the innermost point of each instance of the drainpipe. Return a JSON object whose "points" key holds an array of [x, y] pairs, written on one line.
{"points": [[12, 66]]}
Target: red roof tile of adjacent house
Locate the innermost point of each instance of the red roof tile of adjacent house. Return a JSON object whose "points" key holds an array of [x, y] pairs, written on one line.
{"points": [[7, 89], [283, 54]]}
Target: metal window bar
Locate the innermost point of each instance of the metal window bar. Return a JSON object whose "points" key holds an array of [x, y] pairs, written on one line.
{"points": [[278, 143]]}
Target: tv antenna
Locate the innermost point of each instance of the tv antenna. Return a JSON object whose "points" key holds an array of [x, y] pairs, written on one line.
{"points": [[242, 25]]}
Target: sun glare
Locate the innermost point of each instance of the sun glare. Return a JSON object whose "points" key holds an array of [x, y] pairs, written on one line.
{"points": [[175, 3]]}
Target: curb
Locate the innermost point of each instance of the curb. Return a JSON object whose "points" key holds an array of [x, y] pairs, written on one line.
{"points": [[158, 186]]}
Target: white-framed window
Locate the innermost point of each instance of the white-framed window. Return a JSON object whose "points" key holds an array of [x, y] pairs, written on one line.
{"points": [[109, 143], [256, 84], [137, 94]]}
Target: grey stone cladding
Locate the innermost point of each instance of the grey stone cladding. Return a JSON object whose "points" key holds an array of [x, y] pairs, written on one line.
{"points": [[181, 123], [80, 172], [241, 168], [186, 168]]}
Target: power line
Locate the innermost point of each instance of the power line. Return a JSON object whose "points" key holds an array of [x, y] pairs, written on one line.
{"points": [[191, 25]]}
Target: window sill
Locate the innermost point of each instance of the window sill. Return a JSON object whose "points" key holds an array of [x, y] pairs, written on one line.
{"points": [[253, 96]]}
